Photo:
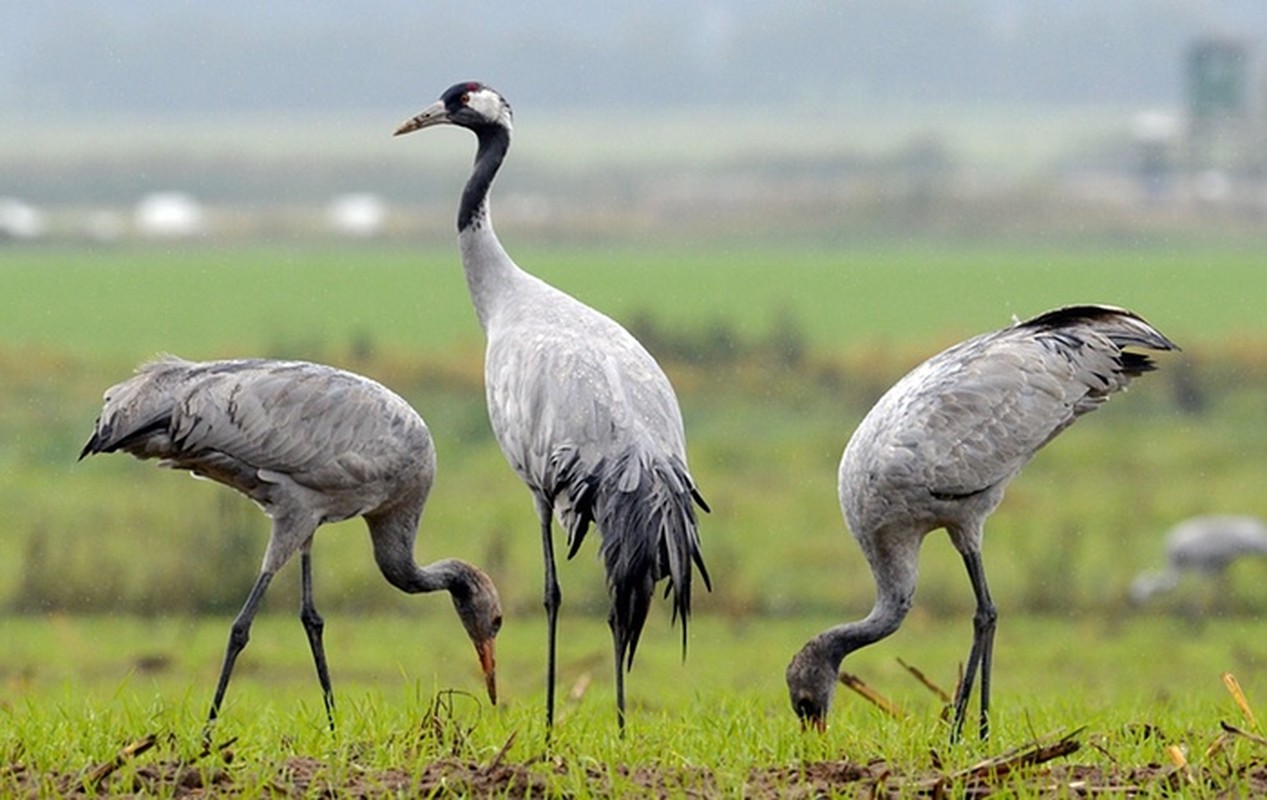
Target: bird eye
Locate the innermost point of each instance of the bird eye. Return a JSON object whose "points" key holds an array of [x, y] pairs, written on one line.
{"points": [[465, 99]]}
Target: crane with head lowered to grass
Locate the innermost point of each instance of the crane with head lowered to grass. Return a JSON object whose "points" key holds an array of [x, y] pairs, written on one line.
{"points": [[939, 449], [310, 444]]}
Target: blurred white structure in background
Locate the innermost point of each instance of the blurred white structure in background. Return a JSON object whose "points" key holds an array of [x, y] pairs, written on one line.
{"points": [[169, 215], [21, 220], [357, 214]]}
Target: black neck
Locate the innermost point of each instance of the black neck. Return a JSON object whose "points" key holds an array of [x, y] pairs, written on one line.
{"points": [[494, 141]]}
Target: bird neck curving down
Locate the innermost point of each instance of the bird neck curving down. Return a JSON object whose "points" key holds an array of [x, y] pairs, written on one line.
{"points": [[393, 536], [815, 669]]}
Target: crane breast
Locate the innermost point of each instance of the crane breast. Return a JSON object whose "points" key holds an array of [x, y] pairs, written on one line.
{"points": [[549, 389]]}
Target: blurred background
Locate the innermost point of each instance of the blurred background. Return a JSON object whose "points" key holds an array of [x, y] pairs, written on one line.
{"points": [[791, 203], [245, 120]]}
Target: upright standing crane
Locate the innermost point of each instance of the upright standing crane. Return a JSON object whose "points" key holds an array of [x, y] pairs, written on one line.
{"points": [[582, 412]]}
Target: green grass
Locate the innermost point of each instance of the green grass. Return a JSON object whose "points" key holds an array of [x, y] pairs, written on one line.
{"points": [[207, 301], [74, 692]]}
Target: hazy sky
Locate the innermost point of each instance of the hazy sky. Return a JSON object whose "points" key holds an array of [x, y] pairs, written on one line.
{"points": [[79, 56]]}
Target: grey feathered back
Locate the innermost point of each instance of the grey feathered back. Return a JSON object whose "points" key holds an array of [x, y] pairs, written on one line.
{"points": [[245, 423], [965, 421], [1211, 543]]}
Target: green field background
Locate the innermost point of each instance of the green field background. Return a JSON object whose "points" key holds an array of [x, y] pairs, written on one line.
{"points": [[132, 301], [776, 351]]}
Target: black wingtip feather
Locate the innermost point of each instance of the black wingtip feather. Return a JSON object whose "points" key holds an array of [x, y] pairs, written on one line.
{"points": [[1066, 315], [1135, 364], [1125, 328], [648, 533], [699, 499]]}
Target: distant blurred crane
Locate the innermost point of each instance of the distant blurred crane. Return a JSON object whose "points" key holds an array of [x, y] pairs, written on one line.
{"points": [[581, 410], [938, 450], [1204, 546], [310, 444]]}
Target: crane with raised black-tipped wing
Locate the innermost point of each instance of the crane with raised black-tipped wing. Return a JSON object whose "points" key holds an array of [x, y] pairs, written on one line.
{"points": [[939, 449]]}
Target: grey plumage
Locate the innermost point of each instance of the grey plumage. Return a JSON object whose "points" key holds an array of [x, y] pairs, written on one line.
{"points": [[582, 412], [310, 444], [1204, 545], [939, 449]]}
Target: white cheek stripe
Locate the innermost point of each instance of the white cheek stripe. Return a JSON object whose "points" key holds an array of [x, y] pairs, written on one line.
{"points": [[490, 105]]}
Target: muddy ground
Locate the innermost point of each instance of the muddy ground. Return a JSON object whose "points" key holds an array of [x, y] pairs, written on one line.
{"points": [[1050, 769]]}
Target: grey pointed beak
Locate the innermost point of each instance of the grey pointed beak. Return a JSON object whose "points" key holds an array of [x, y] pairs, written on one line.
{"points": [[434, 114]]}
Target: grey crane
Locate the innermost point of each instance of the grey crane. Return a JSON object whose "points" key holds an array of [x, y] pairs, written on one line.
{"points": [[1204, 545], [310, 444], [582, 412], [939, 449]]}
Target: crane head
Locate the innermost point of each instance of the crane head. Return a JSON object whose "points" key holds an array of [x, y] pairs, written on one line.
{"points": [[479, 608], [811, 684], [470, 105]]}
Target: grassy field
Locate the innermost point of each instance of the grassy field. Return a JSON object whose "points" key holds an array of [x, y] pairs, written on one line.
{"points": [[204, 301], [78, 320], [76, 691], [776, 352]]}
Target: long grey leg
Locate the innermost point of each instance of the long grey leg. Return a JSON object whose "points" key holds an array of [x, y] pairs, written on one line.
{"points": [[239, 635], [982, 653], [314, 625], [553, 598], [620, 673]]}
